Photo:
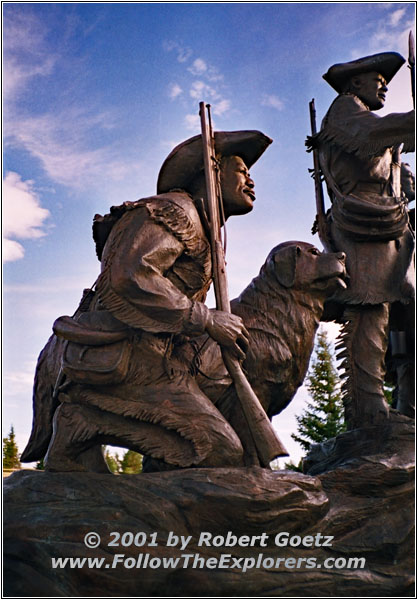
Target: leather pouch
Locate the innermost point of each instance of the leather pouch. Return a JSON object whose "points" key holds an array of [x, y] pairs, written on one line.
{"points": [[96, 365], [97, 350]]}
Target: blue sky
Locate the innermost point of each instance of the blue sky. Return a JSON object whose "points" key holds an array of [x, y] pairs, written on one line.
{"points": [[96, 95]]}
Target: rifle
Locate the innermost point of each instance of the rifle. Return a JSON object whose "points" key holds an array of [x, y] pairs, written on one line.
{"points": [[320, 224], [265, 439], [411, 63]]}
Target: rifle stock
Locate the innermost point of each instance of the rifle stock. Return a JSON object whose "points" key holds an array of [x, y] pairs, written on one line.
{"points": [[265, 439]]}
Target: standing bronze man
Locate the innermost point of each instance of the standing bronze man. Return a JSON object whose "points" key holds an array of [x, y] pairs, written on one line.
{"points": [[368, 220]]}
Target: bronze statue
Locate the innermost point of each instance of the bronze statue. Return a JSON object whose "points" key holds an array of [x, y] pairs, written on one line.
{"points": [[359, 155], [117, 377], [281, 309]]}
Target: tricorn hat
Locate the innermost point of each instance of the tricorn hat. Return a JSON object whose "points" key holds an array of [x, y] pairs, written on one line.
{"points": [[386, 64], [186, 160]]}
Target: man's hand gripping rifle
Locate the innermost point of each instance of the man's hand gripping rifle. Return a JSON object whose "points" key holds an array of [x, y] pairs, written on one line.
{"points": [[267, 443]]}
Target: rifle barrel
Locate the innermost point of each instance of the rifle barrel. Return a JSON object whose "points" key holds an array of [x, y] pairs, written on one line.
{"points": [[265, 439], [319, 192], [218, 259], [411, 62]]}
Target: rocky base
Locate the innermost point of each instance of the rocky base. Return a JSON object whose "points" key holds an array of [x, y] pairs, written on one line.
{"points": [[364, 503]]}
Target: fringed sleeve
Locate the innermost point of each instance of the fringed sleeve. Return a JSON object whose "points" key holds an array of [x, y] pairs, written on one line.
{"points": [[142, 247], [351, 126]]}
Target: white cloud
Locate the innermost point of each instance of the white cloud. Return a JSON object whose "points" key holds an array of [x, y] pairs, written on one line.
{"points": [[25, 53], [12, 250], [396, 16], [174, 91], [183, 53], [200, 90], [198, 67], [61, 140], [272, 101], [220, 107], [212, 74], [391, 34], [60, 143], [16, 75], [192, 122], [23, 216]]}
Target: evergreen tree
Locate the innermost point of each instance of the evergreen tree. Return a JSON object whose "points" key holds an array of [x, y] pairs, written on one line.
{"points": [[291, 466], [131, 462], [10, 451], [40, 466], [323, 417], [113, 462]]}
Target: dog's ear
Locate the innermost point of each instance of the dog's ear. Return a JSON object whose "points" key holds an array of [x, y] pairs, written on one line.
{"points": [[285, 265]]}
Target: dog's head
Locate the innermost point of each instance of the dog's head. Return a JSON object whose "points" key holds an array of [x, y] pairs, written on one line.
{"points": [[302, 266]]}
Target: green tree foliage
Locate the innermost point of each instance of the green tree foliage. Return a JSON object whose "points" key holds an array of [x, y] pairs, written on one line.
{"points": [[323, 417], [131, 462], [10, 451], [291, 466], [113, 462], [388, 390], [40, 466]]}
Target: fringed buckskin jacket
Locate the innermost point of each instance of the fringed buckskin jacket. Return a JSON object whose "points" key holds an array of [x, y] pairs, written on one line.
{"points": [[367, 221], [155, 271], [156, 264]]}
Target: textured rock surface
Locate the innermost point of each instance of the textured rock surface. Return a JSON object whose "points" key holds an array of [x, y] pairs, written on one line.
{"points": [[364, 501]]}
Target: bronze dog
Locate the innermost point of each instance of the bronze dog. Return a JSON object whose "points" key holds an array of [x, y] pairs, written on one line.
{"points": [[281, 308]]}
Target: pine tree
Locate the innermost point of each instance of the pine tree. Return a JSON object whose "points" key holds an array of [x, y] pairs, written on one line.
{"points": [[291, 466], [10, 451], [323, 417]]}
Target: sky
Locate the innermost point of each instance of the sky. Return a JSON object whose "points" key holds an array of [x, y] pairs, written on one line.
{"points": [[96, 95]]}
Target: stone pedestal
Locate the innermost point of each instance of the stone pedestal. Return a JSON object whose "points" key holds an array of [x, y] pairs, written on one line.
{"points": [[356, 501]]}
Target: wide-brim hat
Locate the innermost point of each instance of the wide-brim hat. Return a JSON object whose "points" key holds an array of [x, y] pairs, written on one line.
{"points": [[386, 64], [186, 160]]}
